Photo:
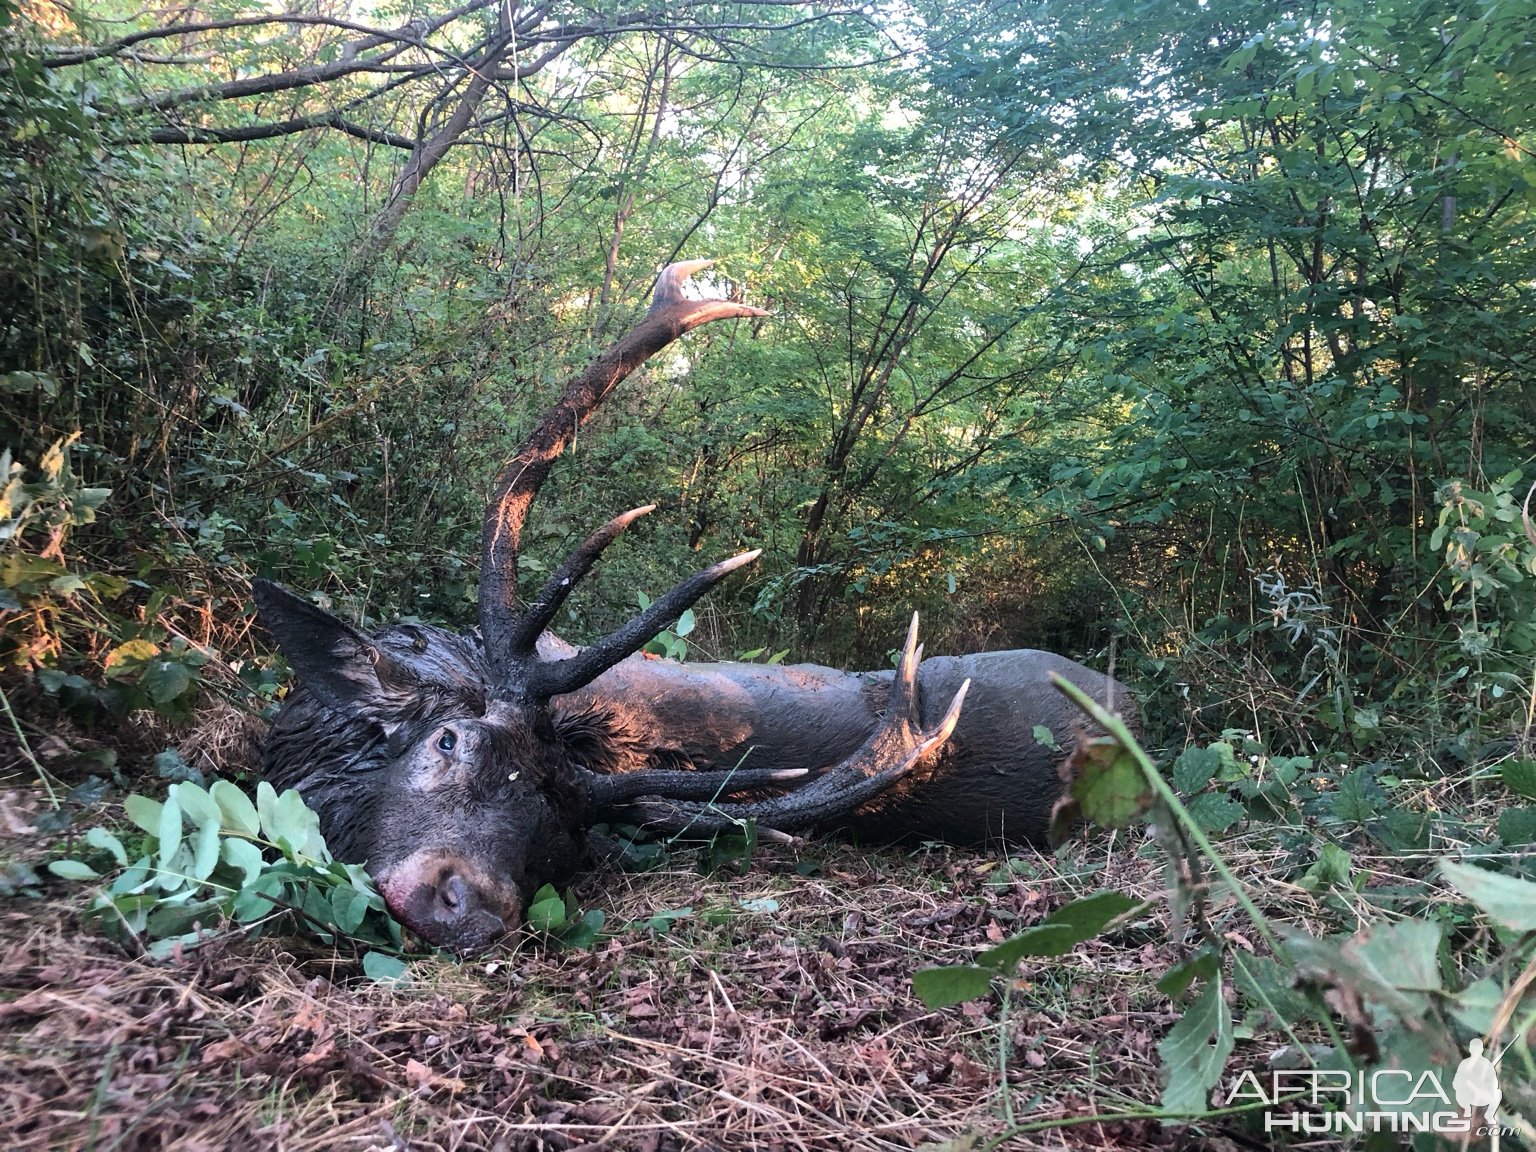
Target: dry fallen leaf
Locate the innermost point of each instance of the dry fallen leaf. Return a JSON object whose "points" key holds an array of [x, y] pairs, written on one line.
{"points": [[417, 1075]]}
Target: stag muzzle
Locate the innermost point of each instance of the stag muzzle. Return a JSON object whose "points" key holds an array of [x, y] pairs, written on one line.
{"points": [[450, 903]]}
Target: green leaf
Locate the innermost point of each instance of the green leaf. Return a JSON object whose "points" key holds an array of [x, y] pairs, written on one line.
{"points": [[358, 877], [1517, 826], [66, 585], [165, 949], [1332, 869], [941, 987], [267, 811], [1195, 767], [1476, 1005], [126, 657], [1195, 1051], [1269, 990], [1520, 776], [165, 680], [661, 923], [243, 856], [1178, 978], [132, 908], [133, 880], [205, 851], [1507, 900], [73, 870], [179, 913], [175, 874], [290, 824], [583, 933], [1287, 769], [1403, 830], [349, 908], [1108, 784], [17, 878], [169, 831], [52, 821], [316, 904], [1062, 931], [237, 812], [383, 967], [547, 912], [1045, 738], [105, 841], [170, 766], [1359, 797], [27, 382], [1405, 954], [144, 812], [685, 623], [252, 903], [198, 806], [1215, 811]]}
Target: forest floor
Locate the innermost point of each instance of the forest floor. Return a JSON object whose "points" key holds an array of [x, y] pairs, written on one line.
{"points": [[776, 1012]]}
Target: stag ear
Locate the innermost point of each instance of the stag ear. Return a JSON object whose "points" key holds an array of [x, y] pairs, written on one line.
{"points": [[339, 666]]}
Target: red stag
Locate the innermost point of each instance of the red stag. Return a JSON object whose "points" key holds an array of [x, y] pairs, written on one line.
{"points": [[465, 769]]}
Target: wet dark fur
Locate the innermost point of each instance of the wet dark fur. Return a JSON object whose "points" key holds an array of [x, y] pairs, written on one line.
{"points": [[335, 757], [340, 758]]}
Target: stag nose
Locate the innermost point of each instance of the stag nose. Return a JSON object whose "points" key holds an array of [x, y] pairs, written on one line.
{"points": [[453, 895], [463, 915], [450, 902]]}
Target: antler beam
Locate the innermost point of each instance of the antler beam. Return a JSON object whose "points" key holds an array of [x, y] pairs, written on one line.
{"points": [[510, 637]]}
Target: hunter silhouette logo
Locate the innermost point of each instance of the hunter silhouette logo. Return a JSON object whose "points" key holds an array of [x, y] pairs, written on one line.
{"points": [[1476, 1083]]}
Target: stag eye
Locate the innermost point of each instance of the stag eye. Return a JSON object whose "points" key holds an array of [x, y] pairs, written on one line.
{"points": [[447, 741]]}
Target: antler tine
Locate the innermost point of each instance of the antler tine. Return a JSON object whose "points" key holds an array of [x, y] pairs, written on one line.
{"points": [[669, 284], [820, 801], [525, 637], [1525, 514], [670, 316], [904, 687], [892, 751], [560, 676], [606, 791]]}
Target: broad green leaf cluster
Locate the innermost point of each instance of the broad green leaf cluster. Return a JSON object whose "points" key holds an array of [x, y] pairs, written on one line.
{"points": [[561, 919], [208, 861]]}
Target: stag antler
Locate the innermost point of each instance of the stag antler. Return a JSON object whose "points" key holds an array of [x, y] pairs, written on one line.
{"points": [[511, 636], [893, 750]]}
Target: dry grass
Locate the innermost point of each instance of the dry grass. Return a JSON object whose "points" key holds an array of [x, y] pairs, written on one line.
{"points": [[787, 1029]]}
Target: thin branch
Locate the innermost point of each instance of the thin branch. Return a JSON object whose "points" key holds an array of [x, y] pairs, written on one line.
{"points": [[271, 131], [307, 77], [410, 34]]}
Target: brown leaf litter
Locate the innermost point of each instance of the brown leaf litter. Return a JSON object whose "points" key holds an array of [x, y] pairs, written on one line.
{"points": [[792, 1030]]}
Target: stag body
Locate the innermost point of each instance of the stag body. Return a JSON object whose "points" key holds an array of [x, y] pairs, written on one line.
{"points": [[463, 770], [990, 782], [462, 805]]}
